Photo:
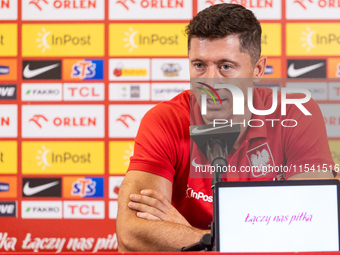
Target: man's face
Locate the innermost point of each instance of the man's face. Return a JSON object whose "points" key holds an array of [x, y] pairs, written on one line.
{"points": [[218, 59]]}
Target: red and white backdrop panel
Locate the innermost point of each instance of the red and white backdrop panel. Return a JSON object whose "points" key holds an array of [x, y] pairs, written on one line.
{"points": [[76, 78]]}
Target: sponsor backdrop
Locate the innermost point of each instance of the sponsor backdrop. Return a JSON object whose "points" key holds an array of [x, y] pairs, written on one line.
{"points": [[76, 78]]}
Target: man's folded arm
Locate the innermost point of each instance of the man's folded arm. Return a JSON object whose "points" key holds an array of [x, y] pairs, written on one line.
{"points": [[151, 233]]}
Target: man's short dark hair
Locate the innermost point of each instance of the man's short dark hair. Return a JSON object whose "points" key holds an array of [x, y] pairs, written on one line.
{"points": [[221, 20]]}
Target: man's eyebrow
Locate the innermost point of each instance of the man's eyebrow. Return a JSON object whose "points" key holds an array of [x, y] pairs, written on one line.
{"points": [[227, 60], [197, 59]]}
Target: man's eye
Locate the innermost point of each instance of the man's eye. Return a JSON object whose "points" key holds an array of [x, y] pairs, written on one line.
{"points": [[225, 67], [199, 65]]}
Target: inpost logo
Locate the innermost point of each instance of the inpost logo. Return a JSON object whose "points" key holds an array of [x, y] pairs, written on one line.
{"points": [[147, 40], [63, 157], [8, 40], [66, 40], [317, 39]]}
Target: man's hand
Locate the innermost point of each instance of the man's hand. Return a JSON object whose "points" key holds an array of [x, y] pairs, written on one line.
{"points": [[152, 205]]}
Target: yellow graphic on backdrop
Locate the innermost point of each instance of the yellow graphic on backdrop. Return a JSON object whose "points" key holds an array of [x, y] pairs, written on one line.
{"points": [[271, 39], [63, 40], [63, 157], [313, 39], [8, 157], [148, 40], [8, 40], [120, 153]]}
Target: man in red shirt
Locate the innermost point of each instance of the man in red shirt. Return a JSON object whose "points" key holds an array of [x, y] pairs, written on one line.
{"points": [[160, 206]]}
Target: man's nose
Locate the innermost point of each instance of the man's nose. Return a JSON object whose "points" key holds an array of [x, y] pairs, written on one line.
{"points": [[212, 73]]}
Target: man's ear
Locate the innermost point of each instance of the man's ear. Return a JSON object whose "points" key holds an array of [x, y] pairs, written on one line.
{"points": [[259, 68]]}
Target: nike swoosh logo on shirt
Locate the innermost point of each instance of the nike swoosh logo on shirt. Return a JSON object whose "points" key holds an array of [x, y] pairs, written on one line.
{"points": [[194, 164], [28, 191], [292, 72], [32, 73], [200, 131]]}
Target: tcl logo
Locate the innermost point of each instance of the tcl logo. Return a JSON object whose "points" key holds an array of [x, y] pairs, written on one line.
{"points": [[65, 121], [84, 210], [151, 3], [65, 4], [84, 92], [321, 3]]}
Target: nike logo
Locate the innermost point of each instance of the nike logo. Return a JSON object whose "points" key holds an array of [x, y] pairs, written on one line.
{"points": [[32, 73], [200, 131], [292, 72], [194, 164], [28, 191]]}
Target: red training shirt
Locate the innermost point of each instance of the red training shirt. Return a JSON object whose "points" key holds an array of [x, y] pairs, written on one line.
{"points": [[163, 147]]}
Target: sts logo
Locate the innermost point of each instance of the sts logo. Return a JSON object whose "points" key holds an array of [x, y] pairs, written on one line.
{"points": [[83, 69], [86, 187]]}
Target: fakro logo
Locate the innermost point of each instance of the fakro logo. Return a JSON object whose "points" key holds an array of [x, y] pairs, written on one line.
{"points": [[238, 99]]}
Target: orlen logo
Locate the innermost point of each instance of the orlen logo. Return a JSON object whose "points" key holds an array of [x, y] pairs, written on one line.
{"points": [[190, 193], [83, 69], [63, 10], [83, 187], [63, 121], [64, 4], [66, 121], [4, 4], [320, 3], [150, 9], [152, 3], [124, 119]]}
